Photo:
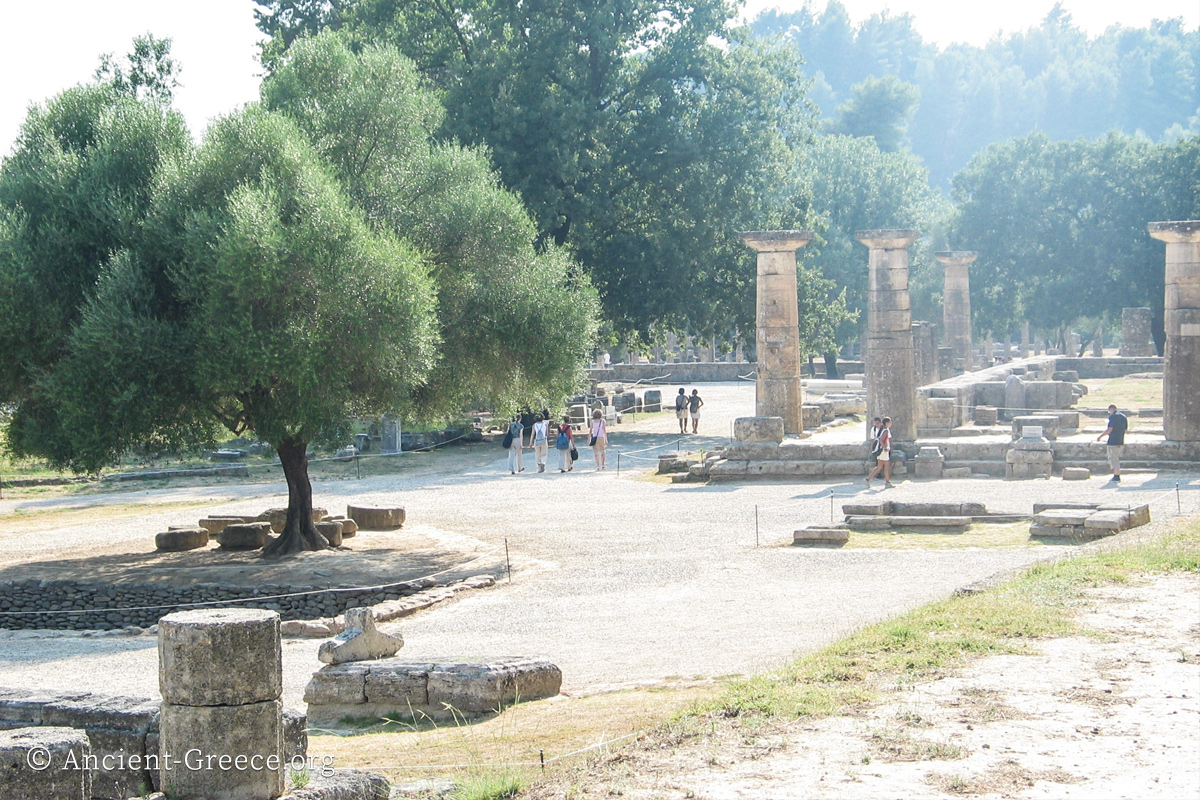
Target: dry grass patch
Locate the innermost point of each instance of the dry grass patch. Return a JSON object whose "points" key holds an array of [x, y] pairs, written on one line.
{"points": [[1005, 779], [1124, 393], [24, 520], [510, 743], [981, 535]]}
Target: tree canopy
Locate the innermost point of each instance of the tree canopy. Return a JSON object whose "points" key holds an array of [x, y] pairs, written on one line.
{"points": [[641, 134]]}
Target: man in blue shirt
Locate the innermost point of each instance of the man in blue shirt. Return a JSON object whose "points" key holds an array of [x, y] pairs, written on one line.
{"points": [[1118, 423]]}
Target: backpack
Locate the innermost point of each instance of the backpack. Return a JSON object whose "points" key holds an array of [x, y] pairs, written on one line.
{"points": [[507, 441], [681, 402], [876, 446]]}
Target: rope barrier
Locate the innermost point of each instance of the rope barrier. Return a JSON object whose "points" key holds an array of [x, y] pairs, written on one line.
{"points": [[260, 598]]}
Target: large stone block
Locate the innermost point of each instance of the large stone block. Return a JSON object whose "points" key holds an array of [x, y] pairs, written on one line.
{"points": [[343, 784], [181, 539], [219, 657], [117, 728], [652, 400], [811, 416], [478, 688], [332, 531], [223, 752], [244, 536], [44, 764], [758, 429], [360, 641], [1047, 422], [371, 518], [820, 537], [215, 525]]}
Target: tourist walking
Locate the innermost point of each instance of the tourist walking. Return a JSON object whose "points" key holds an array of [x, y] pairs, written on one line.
{"points": [[694, 404], [564, 444], [681, 409], [539, 440], [599, 439], [516, 445], [885, 454], [1118, 423], [873, 443]]}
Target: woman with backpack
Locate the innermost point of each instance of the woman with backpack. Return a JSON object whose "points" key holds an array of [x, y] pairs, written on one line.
{"points": [[564, 444], [599, 438], [884, 447]]}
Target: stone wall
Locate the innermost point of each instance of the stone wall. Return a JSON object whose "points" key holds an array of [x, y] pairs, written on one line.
{"points": [[694, 372], [51, 598], [117, 726]]}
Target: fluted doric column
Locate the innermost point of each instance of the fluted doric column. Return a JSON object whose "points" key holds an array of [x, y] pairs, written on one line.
{"points": [[890, 367], [778, 338], [956, 306]]}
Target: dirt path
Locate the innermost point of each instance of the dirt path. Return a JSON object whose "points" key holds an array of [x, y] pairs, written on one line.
{"points": [[1111, 713]]}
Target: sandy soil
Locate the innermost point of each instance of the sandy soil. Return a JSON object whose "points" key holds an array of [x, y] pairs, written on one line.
{"points": [[1112, 713]]}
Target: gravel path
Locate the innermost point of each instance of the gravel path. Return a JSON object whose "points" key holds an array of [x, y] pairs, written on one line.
{"points": [[623, 579]]}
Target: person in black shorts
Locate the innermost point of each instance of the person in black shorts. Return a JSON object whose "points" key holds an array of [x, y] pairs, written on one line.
{"points": [[1118, 423]]}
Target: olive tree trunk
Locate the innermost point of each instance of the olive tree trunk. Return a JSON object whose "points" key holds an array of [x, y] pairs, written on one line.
{"points": [[299, 533]]}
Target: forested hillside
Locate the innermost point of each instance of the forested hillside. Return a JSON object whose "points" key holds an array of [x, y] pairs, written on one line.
{"points": [[881, 78]]}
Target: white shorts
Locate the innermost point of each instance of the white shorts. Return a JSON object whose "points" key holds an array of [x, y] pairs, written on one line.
{"points": [[681, 414], [884, 455]]}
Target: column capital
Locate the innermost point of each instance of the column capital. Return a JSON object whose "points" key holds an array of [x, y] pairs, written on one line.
{"points": [[1176, 231], [956, 258], [888, 238], [776, 241]]}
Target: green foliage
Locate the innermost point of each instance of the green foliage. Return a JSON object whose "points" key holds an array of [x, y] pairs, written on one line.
{"points": [[880, 108], [1051, 78], [856, 186], [641, 134], [148, 74], [514, 324], [75, 190], [1061, 226]]}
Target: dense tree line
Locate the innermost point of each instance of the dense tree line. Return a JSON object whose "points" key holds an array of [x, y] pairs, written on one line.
{"points": [[953, 102]]}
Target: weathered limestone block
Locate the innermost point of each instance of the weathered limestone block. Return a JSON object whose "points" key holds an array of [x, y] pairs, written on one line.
{"points": [[956, 306], [1049, 395], [652, 400], [1029, 458], [215, 525], [117, 728], [820, 537], [890, 357], [278, 517], [1076, 473], [1138, 515], [927, 465], [986, 415], [1063, 517], [227, 657], [360, 641], [846, 404], [343, 784], [370, 518], [43, 764], [782, 469], [332, 531], [1181, 322], [1137, 340], [758, 429], [1047, 422], [181, 539], [342, 685], [1068, 375], [955, 472], [811, 416], [244, 536], [205, 743], [1014, 397], [476, 688], [1115, 521]]}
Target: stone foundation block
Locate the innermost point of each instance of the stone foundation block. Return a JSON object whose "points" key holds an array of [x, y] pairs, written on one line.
{"points": [[986, 415], [220, 657], [652, 400], [1138, 515], [1062, 517], [181, 539], [1113, 521], [244, 536], [55, 749], [1076, 473], [820, 537], [349, 528], [215, 525], [1047, 422], [758, 429], [376, 519], [955, 472], [360, 641], [811, 416], [343, 784], [252, 734], [332, 531]]}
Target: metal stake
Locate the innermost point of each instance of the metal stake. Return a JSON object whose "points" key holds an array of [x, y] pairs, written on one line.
{"points": [[1178, 502]]}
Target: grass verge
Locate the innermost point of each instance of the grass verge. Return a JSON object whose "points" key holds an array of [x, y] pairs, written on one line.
{"points": [[927, 642]]}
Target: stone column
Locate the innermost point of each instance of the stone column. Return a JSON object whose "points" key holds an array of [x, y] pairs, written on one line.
{"points": [[1025, 339], [891, 373], [956, 305], [778, 338], [1181, 356], [1137, 340], [220, 673]]}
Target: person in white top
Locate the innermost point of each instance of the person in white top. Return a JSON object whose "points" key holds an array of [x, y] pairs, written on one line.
{"points": [[599, 439], [541, 445]]}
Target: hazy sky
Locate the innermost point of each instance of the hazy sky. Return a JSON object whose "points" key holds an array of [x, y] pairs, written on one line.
{"points": [[46, 47]]}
